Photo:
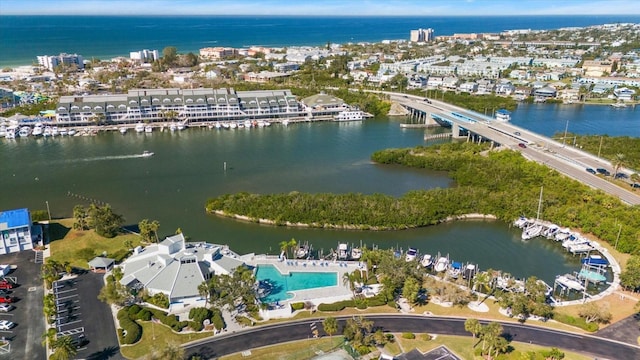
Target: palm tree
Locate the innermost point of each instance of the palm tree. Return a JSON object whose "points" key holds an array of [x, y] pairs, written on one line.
{"points": [[64, 348], [473, 326], [330, 325], [618, 163], [203, 290]]}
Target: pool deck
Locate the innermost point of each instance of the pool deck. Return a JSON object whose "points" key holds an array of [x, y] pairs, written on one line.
{"points": [[318, 295]]}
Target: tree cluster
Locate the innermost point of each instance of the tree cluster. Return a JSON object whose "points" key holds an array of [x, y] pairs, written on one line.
{"points": [[491, 336], [102, 219], [363, 335], [501, 183], [533, 301], [630, 276]]}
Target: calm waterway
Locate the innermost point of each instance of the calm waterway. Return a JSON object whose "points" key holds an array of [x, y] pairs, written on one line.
{"points": [[188, 167]]}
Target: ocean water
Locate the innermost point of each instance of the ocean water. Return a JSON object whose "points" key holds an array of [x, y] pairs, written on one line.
{"points": [[22, 38]]}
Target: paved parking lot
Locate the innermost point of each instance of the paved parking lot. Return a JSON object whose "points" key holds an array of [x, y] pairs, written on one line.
{"points": [[25, 337], [82, 316]]}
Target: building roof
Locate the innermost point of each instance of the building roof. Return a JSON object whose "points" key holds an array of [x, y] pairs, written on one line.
{"points": [[14, 218], [322, 100], [101, 262]]}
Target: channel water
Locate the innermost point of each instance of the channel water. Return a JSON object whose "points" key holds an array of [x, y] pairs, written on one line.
{"points": [[188, 167]]}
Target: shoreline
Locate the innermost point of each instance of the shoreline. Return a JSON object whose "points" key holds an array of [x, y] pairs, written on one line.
{"points": [[360, 227]]}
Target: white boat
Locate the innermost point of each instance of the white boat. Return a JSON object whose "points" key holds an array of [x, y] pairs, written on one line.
{"points": [[343, 251], [123, 130], [217, 125], [349, 115], [233, 125], [356, 253], [173, 127], [427, 260], [147, 153], [24, 131], [531, 231], [285, 122], [139, 127], [442, 264], [454, 269], [148, 129], [11, 132], [302, 252], [226, 125], [521, 222], [247, 123], [619, 105], [503, 115], [181, 127], [411, 254], [3, 131], [71, 132], [37, 130], [570, 282], [47, 131], [54, 131], [63, 132]]}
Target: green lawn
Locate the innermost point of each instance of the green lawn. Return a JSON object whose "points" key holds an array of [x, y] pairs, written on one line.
{"points": [[297, 350], [75, 246], [153, 336]]}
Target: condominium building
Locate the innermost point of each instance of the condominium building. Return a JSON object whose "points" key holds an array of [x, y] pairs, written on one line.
{"points": [[217, 53], [51, 62], [192, 105], [144, 55], [16, 231], [421, 35]]}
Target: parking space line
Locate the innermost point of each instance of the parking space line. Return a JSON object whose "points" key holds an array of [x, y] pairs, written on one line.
{"points": [[65, 291], [69, 323], [6, 331], [66, 297], [72, 309], [6, 314]]}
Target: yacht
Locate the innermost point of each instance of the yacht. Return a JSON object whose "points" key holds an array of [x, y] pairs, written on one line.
{"points": [[217, 125], [619, 105], [411, 254], [247, 123], [123, 130], [37, 130], [442, 264], [427, 260], [47, 131], [139, 127], [11, 132], [285, 122], [63, 132], [503, 115], [24, 131], [71, 132], [147, 153], [148, 129], [349, 115], [302, 252], [454, 269], [343, 251], [181, 127], [233, 125], [173, 127], [356, 253]]}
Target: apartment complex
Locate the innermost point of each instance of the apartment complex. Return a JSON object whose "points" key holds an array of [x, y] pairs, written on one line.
{"points": [[51, 62], [421, 35], [144, 55], [193, 105]]}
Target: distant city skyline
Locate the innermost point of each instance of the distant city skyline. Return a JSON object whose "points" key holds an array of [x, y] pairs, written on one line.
{"points": [[321, 8]]}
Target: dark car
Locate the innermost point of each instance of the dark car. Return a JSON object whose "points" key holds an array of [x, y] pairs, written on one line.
{"points": [[591, 171], [621, 176], [522, 145], [517, 133], [635, 185], [603, 171]]}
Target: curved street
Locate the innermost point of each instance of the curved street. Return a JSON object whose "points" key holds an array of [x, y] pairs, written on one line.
{"points": [[273, 334]]}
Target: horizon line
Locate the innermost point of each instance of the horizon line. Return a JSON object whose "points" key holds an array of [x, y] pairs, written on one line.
{"points": [[324, 15]]}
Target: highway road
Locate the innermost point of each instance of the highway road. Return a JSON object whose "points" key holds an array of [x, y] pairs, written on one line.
{"points": [[565, 159], [273, 334]]}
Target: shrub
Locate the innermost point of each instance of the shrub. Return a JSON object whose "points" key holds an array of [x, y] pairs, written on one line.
{"points": [[425, 337], [132, 329], [120, 255], [297, 306], [574, 321], [337, 306], [159, 299], [218, 320], [196, 326], [199, 315], [144, 315], [408, 335], [134, 309]]}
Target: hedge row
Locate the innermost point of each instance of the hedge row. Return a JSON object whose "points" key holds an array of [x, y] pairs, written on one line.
{"points": [[359, 303], [130, 326], [169, 320], [297, 306]]}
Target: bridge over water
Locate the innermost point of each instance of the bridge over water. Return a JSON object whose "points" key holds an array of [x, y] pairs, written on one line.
{"points": [[562, 157]]}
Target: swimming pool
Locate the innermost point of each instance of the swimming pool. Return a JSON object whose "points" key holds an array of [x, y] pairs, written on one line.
{"points": [[299, 280]]}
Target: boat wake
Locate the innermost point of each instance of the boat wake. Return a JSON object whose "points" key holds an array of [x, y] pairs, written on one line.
{"points": [[106, 158]]}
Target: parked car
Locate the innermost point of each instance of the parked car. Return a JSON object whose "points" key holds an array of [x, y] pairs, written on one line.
{"points": [[6, 307], [517, 133], [6, 285], [6, 325], [591, 171], [6, 299], [602, 171], [522, 145], [621, 175], [635, 185], [4, 292]]}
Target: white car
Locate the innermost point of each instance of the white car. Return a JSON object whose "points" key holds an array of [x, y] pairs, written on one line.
{"points": [[6, 307], [6, 325]]}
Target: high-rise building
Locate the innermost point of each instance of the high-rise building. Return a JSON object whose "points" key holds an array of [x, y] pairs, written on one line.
{"points": [[51, 62], [144, 55], [421, 35]]}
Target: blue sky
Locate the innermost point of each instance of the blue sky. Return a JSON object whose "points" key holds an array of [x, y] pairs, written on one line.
{"points": [[320, 7]]}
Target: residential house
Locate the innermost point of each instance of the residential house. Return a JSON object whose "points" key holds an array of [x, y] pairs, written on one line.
{"points": [[624, 94], [469, 87]]}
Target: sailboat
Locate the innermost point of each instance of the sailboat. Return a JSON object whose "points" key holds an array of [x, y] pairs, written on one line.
{"points": [[535, 228]]}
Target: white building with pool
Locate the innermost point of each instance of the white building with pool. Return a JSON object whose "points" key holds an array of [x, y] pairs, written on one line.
{"points": [[176, 268]]}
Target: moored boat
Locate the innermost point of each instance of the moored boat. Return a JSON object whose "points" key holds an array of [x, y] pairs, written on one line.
{"points": [[427, 260], [356, 253], [139, 127], [442, 264], [411, 254], [454, 269], [595, 260], [123, 130], [343, 251], [349, 115]]}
